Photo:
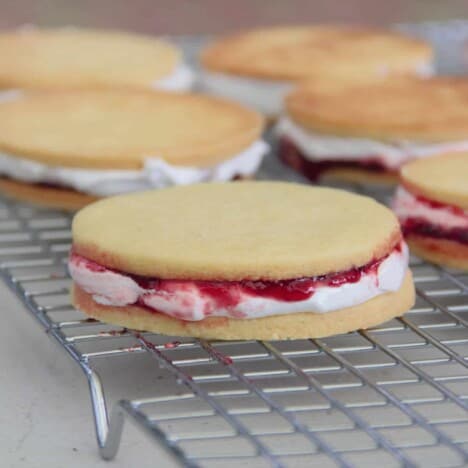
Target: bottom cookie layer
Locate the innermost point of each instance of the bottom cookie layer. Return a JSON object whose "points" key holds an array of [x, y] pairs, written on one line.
{"points": [[55, 197], [439, 251], [359, 176], [279, 327], [43, 195]]}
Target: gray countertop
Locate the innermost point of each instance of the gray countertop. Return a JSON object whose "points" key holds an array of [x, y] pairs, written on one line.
{"points": [[46, 417]]}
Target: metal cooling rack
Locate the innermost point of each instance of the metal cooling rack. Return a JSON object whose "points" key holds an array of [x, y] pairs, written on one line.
{"points": [[396, 395]]}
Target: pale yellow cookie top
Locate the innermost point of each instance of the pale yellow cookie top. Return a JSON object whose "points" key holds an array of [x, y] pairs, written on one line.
{"points": [[118, 129], [83, 58], [441, 178], [296, 52], [234, 231], [427, 110], [329, 82]]}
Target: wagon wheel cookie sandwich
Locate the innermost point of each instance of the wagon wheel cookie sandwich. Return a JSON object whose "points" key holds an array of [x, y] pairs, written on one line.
{"points": [[366, 133], [259, 67], [68, 148], [432, 206], [86, 58], [251, 260]]}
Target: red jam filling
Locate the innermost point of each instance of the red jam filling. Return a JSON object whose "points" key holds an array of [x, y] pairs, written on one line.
{"points": [[226, 294], [291, 155], [420, 227], [456, 210]]}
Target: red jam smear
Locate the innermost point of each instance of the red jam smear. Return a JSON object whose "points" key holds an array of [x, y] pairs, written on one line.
{"points": [[88, 264], [172, 345], [227, 294], [456, 210], [421, 227], [291, 155]]}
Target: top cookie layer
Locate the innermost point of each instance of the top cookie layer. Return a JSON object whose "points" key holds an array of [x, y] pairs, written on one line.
{"points": [[294, 53], [442, 178], [75, 58], [117, 129], [235, 231], [434, 109]]}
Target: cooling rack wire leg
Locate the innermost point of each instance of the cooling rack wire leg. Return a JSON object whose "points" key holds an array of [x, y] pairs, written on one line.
{"points": [[108, 434], [109, 430]]}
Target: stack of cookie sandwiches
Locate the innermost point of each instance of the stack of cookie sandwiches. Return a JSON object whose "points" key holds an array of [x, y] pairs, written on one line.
{"points": [[259, 67], [68, 148], [250, 260], [92, 115], [90, 59], [366, 133]]}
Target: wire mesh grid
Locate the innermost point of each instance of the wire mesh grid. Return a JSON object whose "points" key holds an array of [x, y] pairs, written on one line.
{"points": [[395, 395]]}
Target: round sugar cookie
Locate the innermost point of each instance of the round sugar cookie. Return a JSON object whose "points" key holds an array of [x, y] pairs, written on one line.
{"points": [[235, 231], [279, 327], [118, 129], [83, 58], [441, 178], [296, 52], [329, 82], [420, 110]]}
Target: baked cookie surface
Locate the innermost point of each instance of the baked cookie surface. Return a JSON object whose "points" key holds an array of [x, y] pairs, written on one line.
{"points": [[80, 58], [235, 231], [424, 110], [441, 178], [294, 53]]}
